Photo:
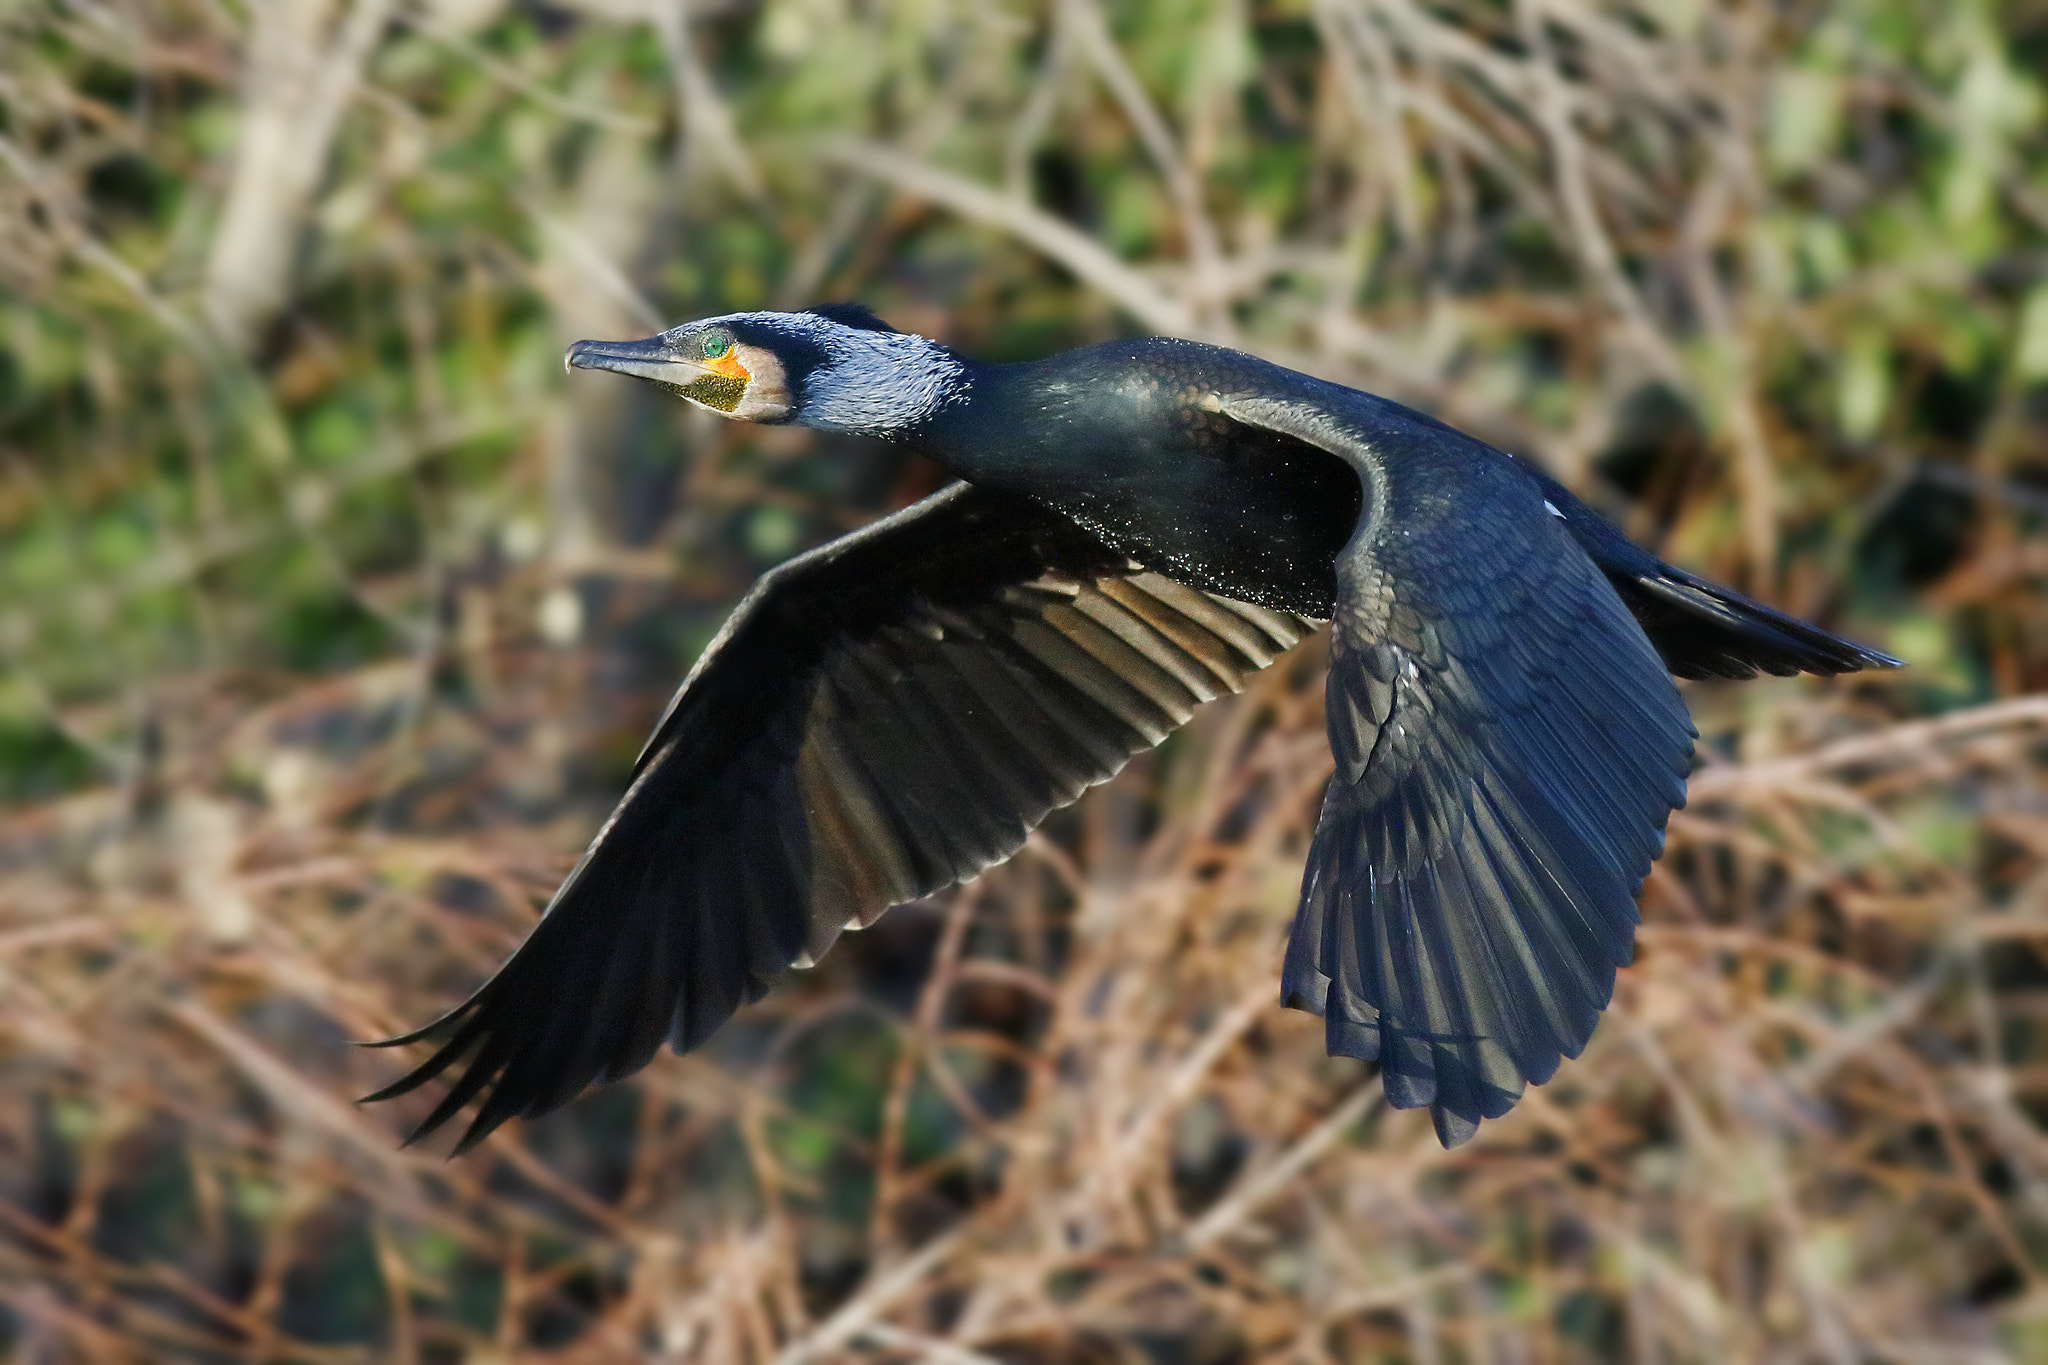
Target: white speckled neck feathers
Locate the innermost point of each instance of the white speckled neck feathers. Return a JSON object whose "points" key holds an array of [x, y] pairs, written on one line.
{"points": [[871, 382]]}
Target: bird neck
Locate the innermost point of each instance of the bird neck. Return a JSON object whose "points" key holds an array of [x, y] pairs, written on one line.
{"points": [[998, 424], [1051, 429], [1124, 439], [885, 384]]}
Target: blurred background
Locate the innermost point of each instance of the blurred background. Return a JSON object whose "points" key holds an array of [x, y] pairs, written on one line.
{"points": [[332, 615]]}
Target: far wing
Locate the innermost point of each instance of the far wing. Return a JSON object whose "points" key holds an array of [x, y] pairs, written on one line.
{"points": [[880, 718], [1508, 749]]}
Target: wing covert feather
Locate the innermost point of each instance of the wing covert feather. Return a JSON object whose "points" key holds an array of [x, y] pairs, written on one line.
{"points": [[880, 718]]}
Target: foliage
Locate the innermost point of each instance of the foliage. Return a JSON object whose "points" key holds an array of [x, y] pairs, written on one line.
{"points": [[330, 615]]}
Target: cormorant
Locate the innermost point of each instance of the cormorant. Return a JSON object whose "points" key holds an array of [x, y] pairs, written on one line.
{"points": [[1140, 525]]}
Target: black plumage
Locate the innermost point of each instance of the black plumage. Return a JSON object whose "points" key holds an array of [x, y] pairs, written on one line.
{"points": [[1142, 525]]}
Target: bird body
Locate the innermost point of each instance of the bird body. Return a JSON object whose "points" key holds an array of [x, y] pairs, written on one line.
{"points": [[1125, 439], [1141, 525]]}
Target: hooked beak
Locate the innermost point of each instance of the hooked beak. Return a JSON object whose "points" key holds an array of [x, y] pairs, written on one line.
{"points": [[649, 359], [726, 385]]}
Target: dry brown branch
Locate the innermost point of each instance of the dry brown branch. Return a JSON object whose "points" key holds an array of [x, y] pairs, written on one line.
{"points": [[1057, 1115], [304, 62], [1074, 250]]}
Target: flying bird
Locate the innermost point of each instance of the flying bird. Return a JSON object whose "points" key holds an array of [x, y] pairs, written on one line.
{"points": [[1138, 527]]}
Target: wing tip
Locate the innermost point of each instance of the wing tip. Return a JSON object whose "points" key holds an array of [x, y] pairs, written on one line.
{"points": [[1452, 1130], [1410, 1080]]}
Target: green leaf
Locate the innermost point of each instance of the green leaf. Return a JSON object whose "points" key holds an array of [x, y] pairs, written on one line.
{"points": [[1864, 388], [2030, 344], [1802, 121]]}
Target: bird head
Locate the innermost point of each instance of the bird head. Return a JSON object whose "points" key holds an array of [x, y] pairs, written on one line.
{"points": [[839, 368]]}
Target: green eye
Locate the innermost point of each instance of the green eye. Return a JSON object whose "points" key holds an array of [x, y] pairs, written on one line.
{"points": [[716, 344]]}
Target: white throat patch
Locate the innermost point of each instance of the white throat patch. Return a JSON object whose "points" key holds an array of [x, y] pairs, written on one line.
{"points": [[870, 381]]}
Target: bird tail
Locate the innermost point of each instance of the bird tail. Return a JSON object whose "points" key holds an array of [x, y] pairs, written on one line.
{"points": [[1704, 630], [1701, 629]]}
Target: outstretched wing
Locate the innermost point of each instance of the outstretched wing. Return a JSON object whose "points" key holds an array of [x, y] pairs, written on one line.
{"points": [[880, 718], [1508, 749]]}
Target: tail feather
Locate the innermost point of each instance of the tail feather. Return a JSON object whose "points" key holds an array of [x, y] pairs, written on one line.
{"points": [[1701, 629], [1704, 630]]}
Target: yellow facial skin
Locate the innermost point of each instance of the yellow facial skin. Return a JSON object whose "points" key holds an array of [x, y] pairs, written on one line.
{"points": [[723, 381], [729, 365], [764, 392]]}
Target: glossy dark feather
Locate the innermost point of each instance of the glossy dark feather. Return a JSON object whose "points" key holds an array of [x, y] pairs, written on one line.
{"points": [[1701, 629], [895, 711], [883, 717], [1508, 749]]}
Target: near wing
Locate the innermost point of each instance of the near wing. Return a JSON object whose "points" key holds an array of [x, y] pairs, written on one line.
{"points": [[1508, 748], [880, 718]]}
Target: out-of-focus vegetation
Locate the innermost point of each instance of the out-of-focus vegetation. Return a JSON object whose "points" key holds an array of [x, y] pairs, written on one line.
{"points": [[331, 614]]}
